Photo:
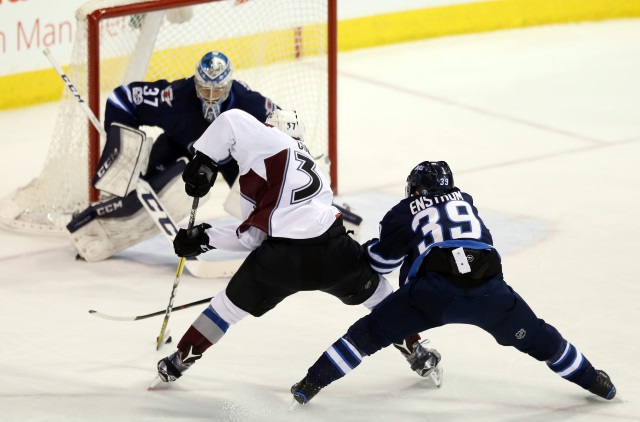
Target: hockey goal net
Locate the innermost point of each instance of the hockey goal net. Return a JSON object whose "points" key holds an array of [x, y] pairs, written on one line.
{"points": [[285, 49]]}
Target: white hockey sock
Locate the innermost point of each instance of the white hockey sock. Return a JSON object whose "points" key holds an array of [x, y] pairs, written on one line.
{"points": [[226, 309]]}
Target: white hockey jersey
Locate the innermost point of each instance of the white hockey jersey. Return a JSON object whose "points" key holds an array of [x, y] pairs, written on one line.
{"points": [[284, 194]]}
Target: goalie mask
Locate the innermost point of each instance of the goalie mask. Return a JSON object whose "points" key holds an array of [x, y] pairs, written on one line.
{"points": [[288, 122], [430, 178], [213, 80]]}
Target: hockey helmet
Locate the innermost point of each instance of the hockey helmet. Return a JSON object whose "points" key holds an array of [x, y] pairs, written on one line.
{"points": [[430, 178], [213, 79], [288, 122]]}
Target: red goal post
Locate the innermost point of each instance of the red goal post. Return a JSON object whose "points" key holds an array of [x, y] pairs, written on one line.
{"points": [[285, 49]]}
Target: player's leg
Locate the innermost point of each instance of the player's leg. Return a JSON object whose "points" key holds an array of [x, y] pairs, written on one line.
{"points": [[203, 333], [513, 323], [393, 319], [246, 294], [355, 282]]}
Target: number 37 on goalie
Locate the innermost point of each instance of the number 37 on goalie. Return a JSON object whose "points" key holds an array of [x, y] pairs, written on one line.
{"points": [[141, 95]]}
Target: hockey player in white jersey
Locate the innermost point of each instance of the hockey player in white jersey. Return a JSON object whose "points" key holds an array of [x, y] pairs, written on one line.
{"points": [[296, 236]]}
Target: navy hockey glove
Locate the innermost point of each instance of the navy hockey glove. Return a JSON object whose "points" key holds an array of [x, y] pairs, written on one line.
{"points": [[192, 243], [199, 175]]}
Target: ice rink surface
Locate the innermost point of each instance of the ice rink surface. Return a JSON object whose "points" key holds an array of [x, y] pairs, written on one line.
{"points": [[541, 126]]}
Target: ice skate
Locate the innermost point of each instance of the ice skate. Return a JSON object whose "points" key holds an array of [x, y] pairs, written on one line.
{"points": [[425, 362], [304, 391], [603, 386], [173, 366]]}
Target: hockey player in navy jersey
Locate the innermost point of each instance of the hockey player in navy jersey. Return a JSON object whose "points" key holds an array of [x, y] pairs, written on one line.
{"points": [[183, 109], [452, 275], [296, 236]]}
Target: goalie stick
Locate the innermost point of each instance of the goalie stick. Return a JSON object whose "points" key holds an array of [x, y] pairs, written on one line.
{"points": [[151, 315], [197, 267]]}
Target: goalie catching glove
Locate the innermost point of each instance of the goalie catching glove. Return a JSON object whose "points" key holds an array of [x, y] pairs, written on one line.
{"points": [[190, 243], [199, 175]]}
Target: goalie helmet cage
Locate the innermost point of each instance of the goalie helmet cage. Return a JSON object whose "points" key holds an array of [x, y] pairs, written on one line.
{"points": [[285, 49]]}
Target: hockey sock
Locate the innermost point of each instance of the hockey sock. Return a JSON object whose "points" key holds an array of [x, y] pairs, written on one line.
{"points": [[573, 366], [205, 331], [336, 362]]}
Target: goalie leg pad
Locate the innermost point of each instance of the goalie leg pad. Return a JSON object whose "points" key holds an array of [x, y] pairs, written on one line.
{"points": [[232, 201], [107, 228]]}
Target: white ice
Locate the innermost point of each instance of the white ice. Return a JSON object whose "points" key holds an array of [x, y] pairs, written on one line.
{"points": [[540, 125]]}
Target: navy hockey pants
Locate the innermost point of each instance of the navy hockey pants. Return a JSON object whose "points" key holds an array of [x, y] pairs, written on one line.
{"points": [[431, 301]]}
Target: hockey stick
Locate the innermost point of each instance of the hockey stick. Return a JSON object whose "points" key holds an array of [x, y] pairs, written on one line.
{"points": [[75, 93], [198, 268], [151, 315], [192, 219], [168, 228]]}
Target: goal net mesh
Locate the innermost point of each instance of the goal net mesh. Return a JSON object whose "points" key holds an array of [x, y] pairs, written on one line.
{"points": [[277, 47]]}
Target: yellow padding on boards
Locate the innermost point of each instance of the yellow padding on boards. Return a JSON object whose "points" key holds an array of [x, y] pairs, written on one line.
{"points": [[45, 85], [475, 17], [29, 88]]}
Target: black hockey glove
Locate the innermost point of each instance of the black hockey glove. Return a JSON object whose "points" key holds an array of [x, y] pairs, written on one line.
{"points": [[199, 175], [187, 244]]}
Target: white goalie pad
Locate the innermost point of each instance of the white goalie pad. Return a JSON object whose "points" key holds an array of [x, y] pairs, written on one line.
{"points": [[101, 238], [125, 156], [232, 201]]}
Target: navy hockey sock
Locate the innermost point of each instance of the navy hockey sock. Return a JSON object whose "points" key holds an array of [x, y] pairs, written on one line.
{"points": [[337, 361], [573, 366]]}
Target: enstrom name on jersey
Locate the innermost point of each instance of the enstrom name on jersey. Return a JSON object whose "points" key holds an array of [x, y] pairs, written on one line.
{"points": [[425, 202]]}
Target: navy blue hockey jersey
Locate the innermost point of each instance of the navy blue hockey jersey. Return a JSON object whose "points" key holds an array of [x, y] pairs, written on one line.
{"points": [[176, 109], [418, 223]]}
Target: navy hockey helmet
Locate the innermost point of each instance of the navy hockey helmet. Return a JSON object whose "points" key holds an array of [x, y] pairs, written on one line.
{"points": [[429, 178], [213, 79]]}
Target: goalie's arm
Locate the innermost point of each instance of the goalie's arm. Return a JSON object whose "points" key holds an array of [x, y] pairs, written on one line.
{"points": [[136, 104]]}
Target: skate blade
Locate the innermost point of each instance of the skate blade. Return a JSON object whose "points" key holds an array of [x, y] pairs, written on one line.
{"points": [[436, 375], [295, 405], [157, 380]]}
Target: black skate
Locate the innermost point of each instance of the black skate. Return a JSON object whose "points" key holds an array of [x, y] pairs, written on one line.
{"points": [[425, 362], [603, 386], [172, 367], [304, 391]]}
